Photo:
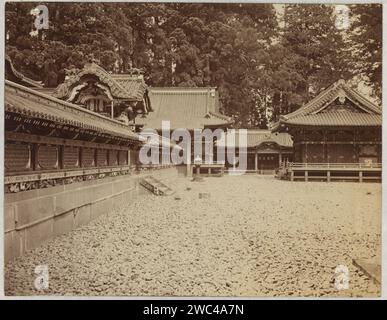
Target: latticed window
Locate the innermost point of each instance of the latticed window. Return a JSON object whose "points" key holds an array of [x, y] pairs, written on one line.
{"points": [[88, 157], [17, 156], [47, 157], [70, 157]]}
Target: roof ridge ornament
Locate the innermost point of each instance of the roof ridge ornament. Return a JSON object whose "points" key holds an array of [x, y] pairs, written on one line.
{"points": [[136, 71], [342, 96], [92, 60], [341, 82]]}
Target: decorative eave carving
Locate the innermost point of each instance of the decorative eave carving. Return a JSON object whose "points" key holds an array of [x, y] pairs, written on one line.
{"points": [[64, 90], [312, 112]]}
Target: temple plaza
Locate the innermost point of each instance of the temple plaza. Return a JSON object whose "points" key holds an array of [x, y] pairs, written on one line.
{"points": [[212, 238]]}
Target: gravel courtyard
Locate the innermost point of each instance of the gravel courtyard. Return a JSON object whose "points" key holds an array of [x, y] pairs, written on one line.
{"points": [[252, 236]]}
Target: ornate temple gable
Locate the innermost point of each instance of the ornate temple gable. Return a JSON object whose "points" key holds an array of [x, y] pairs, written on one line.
{"points": [[259, 137], [344, 99], [340, 93], [268, 147], [338, 105], [341, 105], [114, 82], [119, 96]]}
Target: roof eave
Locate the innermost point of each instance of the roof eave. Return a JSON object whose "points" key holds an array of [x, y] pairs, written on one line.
{"points": [[331, 125], [130, 135]]}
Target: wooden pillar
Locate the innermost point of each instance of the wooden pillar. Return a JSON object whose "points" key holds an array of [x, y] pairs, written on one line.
{"points": [[325, 159], [360, 176], [112, 109], [356, 160], [306, 175], [306, 152], [81, 157], [34, 156], [61, 157], [256, 162], [328, 176], [280, 158], [291, 175]]}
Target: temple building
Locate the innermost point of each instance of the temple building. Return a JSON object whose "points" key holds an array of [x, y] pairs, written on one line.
{"points": [[70, 152], [266, 151], [59, 130], [118, 96], [185, 108], [338, 128], [45, 134], [189, 108]]}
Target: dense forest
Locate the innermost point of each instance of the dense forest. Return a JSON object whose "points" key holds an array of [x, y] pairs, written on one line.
{"points": [[266, 59]]}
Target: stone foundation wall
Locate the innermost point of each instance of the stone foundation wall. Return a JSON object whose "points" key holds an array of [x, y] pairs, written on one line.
{"points": [[32, 217]]}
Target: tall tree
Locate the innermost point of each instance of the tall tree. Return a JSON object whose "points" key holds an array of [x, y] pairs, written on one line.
{"points": [[366, 37], [262, 64], [76, 31], [310, 55], [223, 45]]}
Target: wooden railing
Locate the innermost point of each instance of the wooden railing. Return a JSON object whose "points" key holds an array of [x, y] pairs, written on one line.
{"points": [[330, 171], [44, 179], [63, 173], [142, 167], [212, 165], [325, 166]]}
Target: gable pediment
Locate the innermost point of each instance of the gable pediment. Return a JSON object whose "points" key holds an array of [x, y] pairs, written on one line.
{"points": [[337, 98], [84, 91], [342, 104], [127, 87], [268, 147], [337, 105]]}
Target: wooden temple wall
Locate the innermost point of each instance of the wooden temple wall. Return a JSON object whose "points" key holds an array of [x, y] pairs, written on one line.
{"points": [[66, 185], [335, 146], [26, 154]]}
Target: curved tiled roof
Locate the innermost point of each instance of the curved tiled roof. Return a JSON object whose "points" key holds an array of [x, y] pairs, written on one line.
{"points": [[133, 85], [189, 108], [121, 86], [338, 119], [33, 104], [255, 138], [312, 113]]}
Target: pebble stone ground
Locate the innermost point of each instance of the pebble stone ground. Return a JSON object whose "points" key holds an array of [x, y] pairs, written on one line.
{"points": [[253, 236]]}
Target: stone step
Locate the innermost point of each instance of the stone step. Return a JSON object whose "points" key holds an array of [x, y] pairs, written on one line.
{"points": [[156, 186]]}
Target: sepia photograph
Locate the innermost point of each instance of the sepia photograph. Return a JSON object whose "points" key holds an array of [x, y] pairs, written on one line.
{"points": [[185, 149]]}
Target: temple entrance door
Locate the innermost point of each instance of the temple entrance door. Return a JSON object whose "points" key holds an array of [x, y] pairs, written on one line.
{"points": [[267, 163]]}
